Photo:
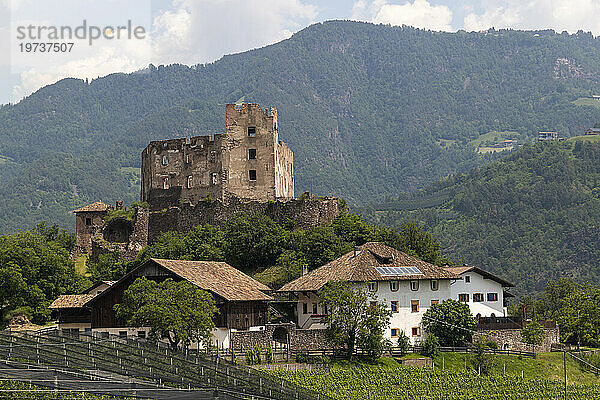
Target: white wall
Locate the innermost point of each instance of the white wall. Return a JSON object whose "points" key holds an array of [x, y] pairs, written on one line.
{"points": [[221, 336], [480, 285], [404, 319]]}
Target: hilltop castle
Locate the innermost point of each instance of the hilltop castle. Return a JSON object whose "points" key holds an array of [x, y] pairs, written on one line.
{"points": [[248, 161], [206, 180]]}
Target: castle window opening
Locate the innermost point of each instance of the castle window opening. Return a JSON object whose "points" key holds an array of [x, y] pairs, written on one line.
{"points": [[252, 174], [251, 154], [165, 160], [88, 221], [189, 182], [166, 183], [215, 178], [252, 131], [188, 158]]}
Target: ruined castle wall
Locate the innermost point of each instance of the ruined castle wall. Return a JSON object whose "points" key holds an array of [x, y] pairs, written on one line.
{"points": [[511, 339], [284, 173], [304, 212], [87, 224], [239, 121], [193, 164]]}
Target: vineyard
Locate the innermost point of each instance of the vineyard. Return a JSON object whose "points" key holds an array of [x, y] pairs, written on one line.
{"points": [[407, 383]]}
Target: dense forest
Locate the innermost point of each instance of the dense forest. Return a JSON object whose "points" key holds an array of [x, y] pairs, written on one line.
{"points": [[370, 111], [531, 217]]}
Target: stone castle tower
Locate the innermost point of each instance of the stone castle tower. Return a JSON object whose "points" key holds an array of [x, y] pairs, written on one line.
{"points": [[247, 161]]}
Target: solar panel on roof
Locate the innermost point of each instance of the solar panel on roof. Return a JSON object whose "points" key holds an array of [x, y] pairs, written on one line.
{"points": [[396, 271]]}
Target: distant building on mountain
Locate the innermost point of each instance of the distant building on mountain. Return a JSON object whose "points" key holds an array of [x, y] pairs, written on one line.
{"points": [[593, 131], [543, 136]]}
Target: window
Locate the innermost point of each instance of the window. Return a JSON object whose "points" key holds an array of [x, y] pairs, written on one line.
{"points": [[467, 279], [416, 331], [188, 158], [394, 286], [373, 303], [88, 221], [414, 285], [314, 308], [251, 154], [372, 286], [165, 183], [165, 160], [394, 306], [252, 131], [141, 334], [123, 334], [215, 178], [252, 174], [435, 284], [189, 182], [435, 302], [395, 332], [463, 297], [492, 297], [477, 297], [414, 306], [304, 308]]}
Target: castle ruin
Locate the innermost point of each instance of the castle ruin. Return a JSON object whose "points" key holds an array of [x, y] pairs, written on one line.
{"points": [[207, 180]]}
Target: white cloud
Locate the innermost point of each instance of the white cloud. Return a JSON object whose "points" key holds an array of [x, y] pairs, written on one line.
{"points": [[202, 31], [569, 15], [418, 13]]}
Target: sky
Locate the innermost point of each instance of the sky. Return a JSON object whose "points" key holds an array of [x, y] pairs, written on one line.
{"points": [[200, 31]]}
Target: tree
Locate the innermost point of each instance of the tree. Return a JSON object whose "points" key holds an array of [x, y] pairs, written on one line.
{"points": [[533, 333], [179, 311], [352, 319], [482, 361], [35, 268], [253, 241], [431, 346], [451, 321], [403, 343]]}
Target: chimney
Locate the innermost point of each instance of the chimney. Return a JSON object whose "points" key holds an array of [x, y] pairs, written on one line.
{"points": [[304, 269], [356, 250]]}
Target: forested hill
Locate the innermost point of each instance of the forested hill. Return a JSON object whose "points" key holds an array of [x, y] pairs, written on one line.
{"points": [[531, 217], [369, 110]]}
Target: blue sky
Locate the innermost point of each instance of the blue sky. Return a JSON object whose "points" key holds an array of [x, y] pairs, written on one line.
{"points": [[199, 31]]}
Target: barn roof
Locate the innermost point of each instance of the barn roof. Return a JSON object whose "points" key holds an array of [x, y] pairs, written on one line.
{"points": [[219, 278], [94, 207], [372, 261], [485, 274], [71, 301]]}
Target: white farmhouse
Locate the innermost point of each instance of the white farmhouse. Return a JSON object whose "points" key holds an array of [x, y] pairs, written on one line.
{"points": [[406, 285], [482, 291]]}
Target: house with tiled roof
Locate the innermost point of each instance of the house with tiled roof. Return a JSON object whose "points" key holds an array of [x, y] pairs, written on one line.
{"points": [[241, 300], [407, 285], [483, 292]]}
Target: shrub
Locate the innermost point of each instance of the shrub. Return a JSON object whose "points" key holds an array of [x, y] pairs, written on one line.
{"points": [[403, 343], [301, 358]]}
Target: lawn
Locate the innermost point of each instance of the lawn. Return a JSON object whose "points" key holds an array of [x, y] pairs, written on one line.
{"points": [[585, 138]]}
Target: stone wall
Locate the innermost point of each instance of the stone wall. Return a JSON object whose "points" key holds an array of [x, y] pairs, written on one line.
{"points": [[129, 248], [299, 339], [511, 339], [304, 212]]}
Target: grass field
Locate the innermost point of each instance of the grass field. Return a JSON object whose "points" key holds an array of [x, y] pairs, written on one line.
{"points": [[585, 138], [586, 101], [525, 378]]}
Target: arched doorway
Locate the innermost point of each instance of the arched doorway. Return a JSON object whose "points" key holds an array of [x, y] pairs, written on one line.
{"points": [[280, 341]]}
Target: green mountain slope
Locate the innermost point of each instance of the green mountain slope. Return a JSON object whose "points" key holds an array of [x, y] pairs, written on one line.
{"points": [[370, 111], [531, 217]]}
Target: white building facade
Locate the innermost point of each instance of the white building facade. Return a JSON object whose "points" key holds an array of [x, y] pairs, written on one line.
{"points": [[481, 291]]}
